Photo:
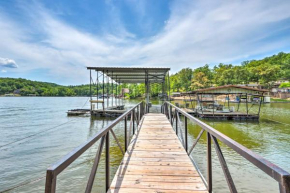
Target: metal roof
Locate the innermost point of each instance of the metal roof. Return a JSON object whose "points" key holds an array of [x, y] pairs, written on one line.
{"points": [[133, 74], [229, 89]]}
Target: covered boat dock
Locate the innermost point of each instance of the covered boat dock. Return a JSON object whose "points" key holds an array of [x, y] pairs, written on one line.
{"points": [[112, 79], [228, 102]]}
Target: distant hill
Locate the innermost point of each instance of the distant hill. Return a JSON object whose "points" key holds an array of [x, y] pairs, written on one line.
{"points": [[24, 87]]}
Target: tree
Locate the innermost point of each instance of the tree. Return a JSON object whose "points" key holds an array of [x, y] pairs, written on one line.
{"points": [[185, 76], [207, 73], [241, 75], [175, 83], [223, 74], [199, 81], [266, 73]]}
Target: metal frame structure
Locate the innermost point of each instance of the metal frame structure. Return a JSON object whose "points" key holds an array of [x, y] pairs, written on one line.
{"points": [[135, 113], [242, 91], [133, 75], [173, 114]]}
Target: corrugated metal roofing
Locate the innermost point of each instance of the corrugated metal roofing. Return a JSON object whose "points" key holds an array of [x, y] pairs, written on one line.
{"points": [[133, 74], [213, 89]]}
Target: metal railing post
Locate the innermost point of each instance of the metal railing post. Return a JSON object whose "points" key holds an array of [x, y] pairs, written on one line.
{"points": [[166, 110], [284, 189], [209, 164], [141, 110], [133, 117], [176, 122], [125, 134], [50, 183], [185, 133], [170, 112], [95, 166], [108, 161], [138, 114]]}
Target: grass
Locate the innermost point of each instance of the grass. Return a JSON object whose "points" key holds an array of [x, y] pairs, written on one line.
{"points": [[279, 100]]}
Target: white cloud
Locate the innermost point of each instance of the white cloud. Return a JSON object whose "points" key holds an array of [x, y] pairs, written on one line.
{"points": [[197, 32], [8, 63], [3, 71]]}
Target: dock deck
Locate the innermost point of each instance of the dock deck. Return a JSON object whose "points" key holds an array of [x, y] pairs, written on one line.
{"points": [[221, 115], [156, 162], [230, 115], [108, 111]]}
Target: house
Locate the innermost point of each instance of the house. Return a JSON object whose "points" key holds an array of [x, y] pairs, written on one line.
{"points": [[282, 93], [9, 95], [252, 85], [17, 91], [175, 94]]}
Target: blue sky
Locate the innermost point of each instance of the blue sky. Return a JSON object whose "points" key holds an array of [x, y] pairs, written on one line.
{"points": [[54, 41]]}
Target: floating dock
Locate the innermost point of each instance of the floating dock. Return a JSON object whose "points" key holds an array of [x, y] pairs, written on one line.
{"points": [[78, 112], [221, 115], [156, 162], [114, 111], [230, 115]]}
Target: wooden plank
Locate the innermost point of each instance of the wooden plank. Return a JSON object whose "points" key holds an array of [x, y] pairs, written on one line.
{"points": [[164, 185], [151, 178], [139, 190], [156, 162], [162, 163]]}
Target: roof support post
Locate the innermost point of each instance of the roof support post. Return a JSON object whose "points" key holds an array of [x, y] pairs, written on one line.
{"points": [[103, 91], [122, 95], [97, 88], [119, 93], [112, 89], [247, 104], [239, 102], [163, 91], [147, 91], [107, 85], [91, 89], [261, 97], [229, 101], [213, 104], [201, 105], [116, 91]]}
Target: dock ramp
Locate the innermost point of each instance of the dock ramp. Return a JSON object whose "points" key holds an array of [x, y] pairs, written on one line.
{"points": [[156, 161]]}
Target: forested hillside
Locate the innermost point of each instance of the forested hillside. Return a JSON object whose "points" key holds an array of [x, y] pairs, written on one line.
{"points": [[265, 72]]}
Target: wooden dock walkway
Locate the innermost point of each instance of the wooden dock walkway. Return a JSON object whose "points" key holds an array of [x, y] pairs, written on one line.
{"points": [[156, 162]]}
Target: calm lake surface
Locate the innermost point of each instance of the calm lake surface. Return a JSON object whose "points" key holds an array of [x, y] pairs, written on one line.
{"points": [[51, 135]]}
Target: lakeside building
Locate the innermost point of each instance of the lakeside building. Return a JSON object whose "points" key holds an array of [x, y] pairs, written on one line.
{"points": [[9, 95]]}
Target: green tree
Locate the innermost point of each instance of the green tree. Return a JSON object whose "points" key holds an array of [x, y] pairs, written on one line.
{"points": [[199, 81]]}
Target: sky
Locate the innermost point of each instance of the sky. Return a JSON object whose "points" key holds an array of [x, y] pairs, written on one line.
{"points": [[54, 41]]}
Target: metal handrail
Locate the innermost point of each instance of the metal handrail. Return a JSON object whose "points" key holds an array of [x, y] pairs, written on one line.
{"points": [[277, 173], [59, 166]]}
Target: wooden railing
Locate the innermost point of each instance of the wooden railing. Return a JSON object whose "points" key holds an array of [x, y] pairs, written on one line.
{"points": [[53, 171], [173, 114]]}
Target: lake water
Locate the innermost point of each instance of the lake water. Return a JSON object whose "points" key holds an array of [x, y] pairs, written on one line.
{"points": [[50, 134]]}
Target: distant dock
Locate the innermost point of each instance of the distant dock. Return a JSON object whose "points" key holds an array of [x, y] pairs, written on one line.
{"points": [[114, 111], [221, 115]]}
